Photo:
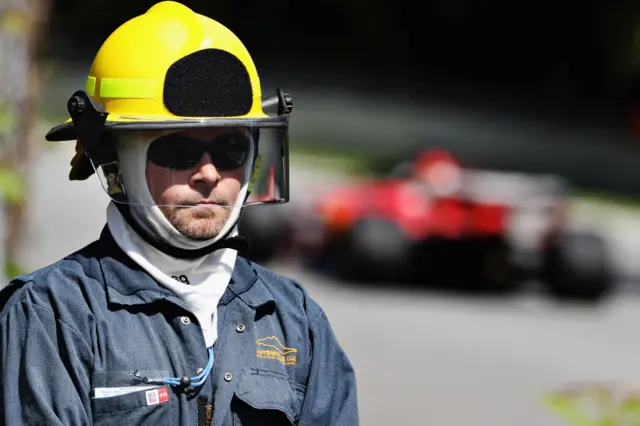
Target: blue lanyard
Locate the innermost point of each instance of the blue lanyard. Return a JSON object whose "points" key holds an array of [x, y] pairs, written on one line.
{"points": [[184, 381]]}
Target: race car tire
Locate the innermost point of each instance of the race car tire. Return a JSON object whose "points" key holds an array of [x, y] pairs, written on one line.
{"points": [[372, 250], [478, 265], [496, 272], [268, 230], [577, 266]]}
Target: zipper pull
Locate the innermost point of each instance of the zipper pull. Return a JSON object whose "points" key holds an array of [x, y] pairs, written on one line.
{"points": [[205, 411]]}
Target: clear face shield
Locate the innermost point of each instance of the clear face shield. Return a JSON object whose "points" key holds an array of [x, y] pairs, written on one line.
{"points": [[192, 163], [226, 166]]}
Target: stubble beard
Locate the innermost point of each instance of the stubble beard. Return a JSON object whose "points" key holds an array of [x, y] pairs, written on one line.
{"points": [[197, 223]]}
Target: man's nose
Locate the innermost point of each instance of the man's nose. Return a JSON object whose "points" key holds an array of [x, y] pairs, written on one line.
{"points": [[206, 172]]}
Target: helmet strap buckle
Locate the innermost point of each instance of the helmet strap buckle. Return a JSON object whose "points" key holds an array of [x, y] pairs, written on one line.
{"points": [[113, 176]]}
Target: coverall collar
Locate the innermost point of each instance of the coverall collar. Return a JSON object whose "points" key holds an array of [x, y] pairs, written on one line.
{"points": [[127, 284]]}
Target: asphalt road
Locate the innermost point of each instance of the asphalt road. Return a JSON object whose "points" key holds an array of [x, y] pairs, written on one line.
{"points": [[422, 358]]}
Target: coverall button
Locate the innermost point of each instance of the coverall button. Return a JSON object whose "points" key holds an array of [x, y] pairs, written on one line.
{"points": [[228, 377], [240, 328], [186, 320], [199, 371]]}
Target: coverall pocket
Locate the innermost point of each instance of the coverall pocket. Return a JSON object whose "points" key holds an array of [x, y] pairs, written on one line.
{"points": [[118, 396], [266, 400]]}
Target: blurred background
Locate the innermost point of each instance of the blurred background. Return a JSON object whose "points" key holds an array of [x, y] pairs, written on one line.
{"points": [[533, 108]]}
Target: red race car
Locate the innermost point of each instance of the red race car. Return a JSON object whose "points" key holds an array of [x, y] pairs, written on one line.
{"points": [[435, 222]]}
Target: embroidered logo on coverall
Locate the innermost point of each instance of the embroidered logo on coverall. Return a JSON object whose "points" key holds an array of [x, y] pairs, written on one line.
{"points": [[272, 348]]}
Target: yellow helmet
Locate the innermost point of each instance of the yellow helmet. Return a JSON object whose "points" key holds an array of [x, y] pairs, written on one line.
{"points": [[169, 68]]}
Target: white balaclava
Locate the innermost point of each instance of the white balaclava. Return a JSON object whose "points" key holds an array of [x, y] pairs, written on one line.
{"points": [[132, 148]]}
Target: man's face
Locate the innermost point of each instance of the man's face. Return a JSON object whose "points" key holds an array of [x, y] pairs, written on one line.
{"points": [[180, 172]]}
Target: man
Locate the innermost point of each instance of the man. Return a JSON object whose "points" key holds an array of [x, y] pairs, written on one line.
{"points": [[159, 322]]}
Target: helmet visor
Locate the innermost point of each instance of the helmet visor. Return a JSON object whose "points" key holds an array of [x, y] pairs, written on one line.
{"points": [[218, 166]]}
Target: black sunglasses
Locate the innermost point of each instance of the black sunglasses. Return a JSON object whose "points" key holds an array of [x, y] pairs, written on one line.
{"points": [[180, 151]]}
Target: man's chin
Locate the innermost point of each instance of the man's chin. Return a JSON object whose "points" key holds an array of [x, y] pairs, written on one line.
{"points": [[199, 229], [199, 223], [199, 237], [198, 234]]}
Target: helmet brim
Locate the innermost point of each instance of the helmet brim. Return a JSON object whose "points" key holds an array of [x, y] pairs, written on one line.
{"points": [[66, 131]]}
